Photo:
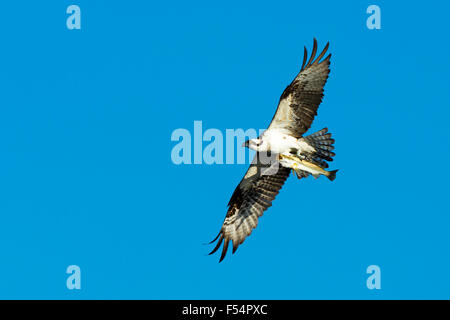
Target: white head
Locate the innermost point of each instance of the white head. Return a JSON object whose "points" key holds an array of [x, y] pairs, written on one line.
{"points": [[256, 144]]}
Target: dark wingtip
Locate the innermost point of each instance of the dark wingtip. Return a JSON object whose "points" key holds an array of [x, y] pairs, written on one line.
{"points": [[322, 53], [313, 53], [213, 239], [217, 246], [305, 56], [224, 250]]}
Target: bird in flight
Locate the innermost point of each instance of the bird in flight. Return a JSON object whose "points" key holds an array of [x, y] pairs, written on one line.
{"points": [[283, 141]]}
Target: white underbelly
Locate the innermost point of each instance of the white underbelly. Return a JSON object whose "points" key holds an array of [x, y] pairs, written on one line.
{"points": [[283, 147], [280, 142]]}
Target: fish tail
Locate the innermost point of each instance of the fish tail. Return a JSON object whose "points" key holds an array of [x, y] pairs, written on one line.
{"points": [[332, 174]]}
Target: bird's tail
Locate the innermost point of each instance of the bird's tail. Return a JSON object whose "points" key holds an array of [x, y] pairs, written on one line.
{"points": [[323, 143]]}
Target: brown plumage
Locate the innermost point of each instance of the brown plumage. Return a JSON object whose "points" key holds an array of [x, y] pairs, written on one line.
{"points": [[295, 113], [250, 199], [300, 100]]}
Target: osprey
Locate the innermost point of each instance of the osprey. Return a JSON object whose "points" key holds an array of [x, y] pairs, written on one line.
{"points": [[283, 140]]}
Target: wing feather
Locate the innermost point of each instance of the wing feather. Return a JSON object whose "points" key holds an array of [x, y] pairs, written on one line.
{"points": [[296, 110], [252, 197], [300, 100]]}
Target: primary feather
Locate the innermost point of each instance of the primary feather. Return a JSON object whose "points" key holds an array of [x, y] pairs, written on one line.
{"points": [[296, 110]]}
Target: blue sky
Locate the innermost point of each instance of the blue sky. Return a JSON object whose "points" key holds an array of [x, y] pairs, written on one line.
{"points": [[87, 178]]}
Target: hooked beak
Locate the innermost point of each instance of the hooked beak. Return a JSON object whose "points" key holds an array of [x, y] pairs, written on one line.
{"points": [[246, 144]]}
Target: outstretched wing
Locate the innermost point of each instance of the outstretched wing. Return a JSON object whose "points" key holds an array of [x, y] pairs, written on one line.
{"points": [[300, 100], [250, 199]]}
